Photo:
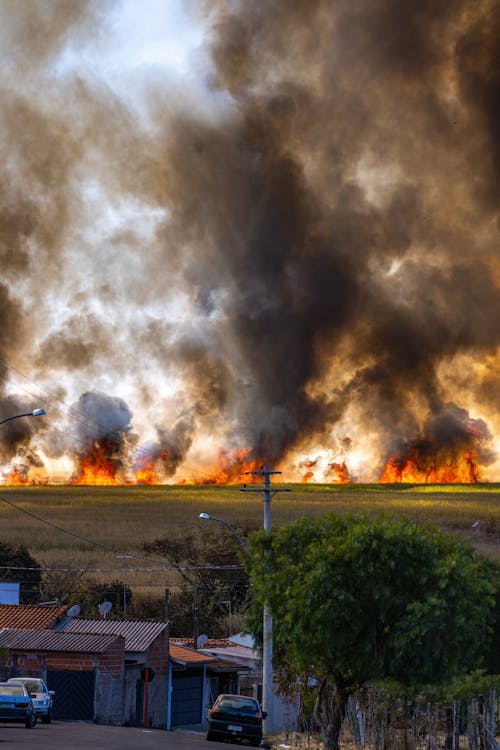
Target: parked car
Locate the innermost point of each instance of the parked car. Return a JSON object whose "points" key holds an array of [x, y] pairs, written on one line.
{"points": [[16, 704], [235, 717], [42, 698]]}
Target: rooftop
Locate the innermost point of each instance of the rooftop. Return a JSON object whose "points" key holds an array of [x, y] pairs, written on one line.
{"points": [[55, 640], [185, 655], [30, 616], [138, 634]]}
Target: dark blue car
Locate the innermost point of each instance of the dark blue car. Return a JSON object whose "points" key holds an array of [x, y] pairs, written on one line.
{"points": [[236, 717]]}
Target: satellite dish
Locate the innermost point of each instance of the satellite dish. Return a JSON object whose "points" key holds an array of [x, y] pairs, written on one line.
{"points": [[104, 608], [201, 640], [74, 611]]}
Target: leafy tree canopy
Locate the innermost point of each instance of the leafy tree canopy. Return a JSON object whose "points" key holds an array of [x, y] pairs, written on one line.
{"points": [[355, 599]]}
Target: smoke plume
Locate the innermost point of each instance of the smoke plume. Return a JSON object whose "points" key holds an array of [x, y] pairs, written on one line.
{"points": [[295, 253]]}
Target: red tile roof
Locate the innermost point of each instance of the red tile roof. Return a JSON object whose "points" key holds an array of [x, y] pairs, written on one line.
{"points": [[30, 616], [188, 655]]}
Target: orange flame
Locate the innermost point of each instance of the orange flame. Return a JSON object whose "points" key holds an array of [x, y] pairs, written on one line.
{"points": [[340, 472], [146, 475], [233, 468], [309, 475], [97, 468], [17, 478], [414, 469]]}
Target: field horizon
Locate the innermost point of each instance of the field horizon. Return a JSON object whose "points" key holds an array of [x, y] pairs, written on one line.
{"points": [[100, 531]]}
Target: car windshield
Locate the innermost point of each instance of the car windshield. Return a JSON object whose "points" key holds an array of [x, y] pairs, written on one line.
{"points": [[11, 690], [35, 686], [241, 704]]}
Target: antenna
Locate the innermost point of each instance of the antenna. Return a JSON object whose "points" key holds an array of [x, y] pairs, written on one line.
{"points": [[104, 608], [74, 611], [202, 639]]}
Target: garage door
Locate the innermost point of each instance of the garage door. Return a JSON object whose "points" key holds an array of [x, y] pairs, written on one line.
{"points": [[187, 695], [74, 699]]}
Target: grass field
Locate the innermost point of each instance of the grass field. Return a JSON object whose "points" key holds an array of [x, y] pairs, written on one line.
{"points": [[123, 518]]}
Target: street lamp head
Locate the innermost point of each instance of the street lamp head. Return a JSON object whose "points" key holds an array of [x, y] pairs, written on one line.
{"points": [[37, 412], [206, 516]]}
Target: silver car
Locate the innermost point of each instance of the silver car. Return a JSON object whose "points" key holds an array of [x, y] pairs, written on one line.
{"points": [[41, 697]]}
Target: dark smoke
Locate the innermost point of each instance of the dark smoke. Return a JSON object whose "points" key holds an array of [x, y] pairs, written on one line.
{"points": [[324, 249]]}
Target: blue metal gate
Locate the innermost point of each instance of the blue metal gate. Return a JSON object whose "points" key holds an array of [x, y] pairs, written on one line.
{"points": [[74, 699], [187, 697]]}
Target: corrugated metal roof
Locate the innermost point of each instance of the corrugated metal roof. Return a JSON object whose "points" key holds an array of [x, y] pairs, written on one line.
{"points": [[188, 655], [55, 640], [30, 616], [138, 634]]}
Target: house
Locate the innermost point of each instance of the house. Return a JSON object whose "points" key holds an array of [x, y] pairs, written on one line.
{"points": [[107, 671], [145, 689], [128, 672], [241, 650], [196, 678], [86, 671]]}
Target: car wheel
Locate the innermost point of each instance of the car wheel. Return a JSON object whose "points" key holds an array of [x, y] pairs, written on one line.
{"points": [[30, 721], [212, 737], [47, 718]]}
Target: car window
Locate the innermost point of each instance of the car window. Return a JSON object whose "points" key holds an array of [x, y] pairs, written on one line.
{"points": [[35, 687], [11, 690], [242, 704]]}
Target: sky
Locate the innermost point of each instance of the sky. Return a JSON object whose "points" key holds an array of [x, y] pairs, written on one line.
{"points": [[239, 233]]}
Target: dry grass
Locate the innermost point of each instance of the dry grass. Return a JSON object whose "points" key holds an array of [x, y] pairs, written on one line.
{"points": [[123, 518]]}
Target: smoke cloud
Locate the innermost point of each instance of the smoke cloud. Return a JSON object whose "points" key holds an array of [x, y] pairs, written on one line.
{"points": [[294, 252]]}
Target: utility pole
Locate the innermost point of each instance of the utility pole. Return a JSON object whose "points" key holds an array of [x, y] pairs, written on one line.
{"points": [[267, 643], [196, 624], [166, 606]]}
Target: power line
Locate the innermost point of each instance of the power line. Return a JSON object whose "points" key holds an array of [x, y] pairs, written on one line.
{"points": [[81, 418], [95, 543]]}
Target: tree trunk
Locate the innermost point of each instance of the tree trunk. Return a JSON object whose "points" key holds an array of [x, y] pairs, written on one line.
{"points": [[330, 711]]}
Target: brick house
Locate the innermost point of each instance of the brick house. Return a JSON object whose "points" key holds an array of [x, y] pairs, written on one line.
{"points": [[145, 692], [86, 671], [107, 671]]}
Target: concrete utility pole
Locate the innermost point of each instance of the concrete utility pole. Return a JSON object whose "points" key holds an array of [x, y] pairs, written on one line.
{"points": [[267, 642]]}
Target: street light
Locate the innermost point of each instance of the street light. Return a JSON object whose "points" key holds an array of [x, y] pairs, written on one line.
{"points": [[267, 623], [34, 413], [208, 517]]}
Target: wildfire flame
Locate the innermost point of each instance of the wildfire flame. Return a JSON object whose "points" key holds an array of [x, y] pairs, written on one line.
{"points": [[234, 467], [419, 469], [309, 475], [146, 475], [97, 468], [340, 472], [18, 478]]}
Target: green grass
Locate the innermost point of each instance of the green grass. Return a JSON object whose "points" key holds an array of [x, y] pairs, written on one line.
{"points": [[123, 518]]}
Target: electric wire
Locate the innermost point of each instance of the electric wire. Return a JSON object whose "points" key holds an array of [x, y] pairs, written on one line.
{"points": [[106, 547], [83, 419]]}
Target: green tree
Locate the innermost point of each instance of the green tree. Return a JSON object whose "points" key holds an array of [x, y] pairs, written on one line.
{"points": [[17, 565], [355, 599]]}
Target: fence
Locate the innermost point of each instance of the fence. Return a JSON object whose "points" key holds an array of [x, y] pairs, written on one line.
{"points": [[375, 723]]}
